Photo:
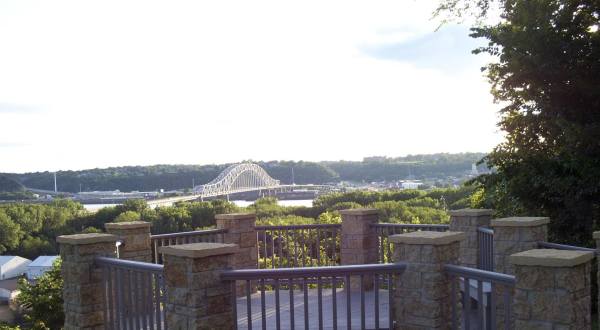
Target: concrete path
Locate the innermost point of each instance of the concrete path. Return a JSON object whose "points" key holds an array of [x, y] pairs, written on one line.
{"points": [[313, 319]]}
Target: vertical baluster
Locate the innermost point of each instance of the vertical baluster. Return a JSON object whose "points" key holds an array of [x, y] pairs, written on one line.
{"points": [[136, 296], [348, 303], [362, 302], [281, 248], [335, 245], [507, 308], [234, 304], [265, 247], [334, 300], [318, 230], [129, 305], [263, 308], [376, 293], [453, 279], [149, 299], [295, 249], [302, 246], [291, 288], [273, 249], [480, 304], [157, 300], [305, 288], [287, 249], [492, 304], [277, 306], [320, 301], [119, 298], [248, 305], [108, 296], [390, 301], [466, 303], [381, 248]]}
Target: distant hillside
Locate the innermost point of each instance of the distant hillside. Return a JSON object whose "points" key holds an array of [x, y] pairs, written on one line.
{"points": [[169, 177], [9, 185]]}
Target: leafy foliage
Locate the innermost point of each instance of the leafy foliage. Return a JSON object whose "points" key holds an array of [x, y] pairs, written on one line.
{"points": [[42, 300]]}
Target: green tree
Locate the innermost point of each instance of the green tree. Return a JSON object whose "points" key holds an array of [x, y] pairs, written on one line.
{"points": [[128, 216], [547, 76], [42, 300], [10, 233]]}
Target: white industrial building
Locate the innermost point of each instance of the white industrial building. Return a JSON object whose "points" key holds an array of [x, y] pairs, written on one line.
{"points": [[12, 266], [39, 266]]}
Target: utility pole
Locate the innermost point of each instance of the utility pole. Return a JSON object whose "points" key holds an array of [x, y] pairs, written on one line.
{"points": [[55, 187], [293, 180]]}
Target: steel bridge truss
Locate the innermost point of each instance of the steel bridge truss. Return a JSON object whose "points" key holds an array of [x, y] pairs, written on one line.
{"points": [[238, 178]]}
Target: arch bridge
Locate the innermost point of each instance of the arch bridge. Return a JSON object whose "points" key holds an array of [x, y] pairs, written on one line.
{"points": [[237, 178]]}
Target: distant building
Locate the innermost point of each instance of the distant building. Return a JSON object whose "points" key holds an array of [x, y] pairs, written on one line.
{"points": [[12, 266], [411, 185], [474, 170], [8, 291], [39, 266]]}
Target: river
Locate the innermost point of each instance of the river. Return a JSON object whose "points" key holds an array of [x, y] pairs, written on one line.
{"points": [[299, 202]]}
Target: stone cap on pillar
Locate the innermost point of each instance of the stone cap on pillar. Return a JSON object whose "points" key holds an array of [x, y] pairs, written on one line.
{"points": [[471, 212], [428, 237], [362, 211], [551, 258], [198, 250], [519, 222], [127, 225], [597, 235], [82, 239], [235, 216]]}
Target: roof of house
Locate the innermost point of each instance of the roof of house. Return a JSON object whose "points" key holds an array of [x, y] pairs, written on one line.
{"points": [[43, 261], [6, 259]]}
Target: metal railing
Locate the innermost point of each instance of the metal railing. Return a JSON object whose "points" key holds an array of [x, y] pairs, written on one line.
{"points": [[186, 237], [298, 245], [485, 241], [336, 279], [548, 245], [485, 288], [384, 230], [133, 294]]}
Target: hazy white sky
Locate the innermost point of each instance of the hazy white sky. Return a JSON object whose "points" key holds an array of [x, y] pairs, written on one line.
{"points": [[87, 84]]}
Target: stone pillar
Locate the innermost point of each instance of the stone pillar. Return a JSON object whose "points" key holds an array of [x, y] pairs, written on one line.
{"points": [[242, 232], [423, 295], [467, 221], [135, 237], [553, 289], [516, 234], [196, 298], [359, 242], [83, 292], [597, 239]]}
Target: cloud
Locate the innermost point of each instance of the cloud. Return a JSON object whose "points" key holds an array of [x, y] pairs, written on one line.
{"points": [[447, 50], [11, 108]]}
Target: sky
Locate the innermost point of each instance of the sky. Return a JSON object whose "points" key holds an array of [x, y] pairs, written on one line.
{"points": [[92, 84]]}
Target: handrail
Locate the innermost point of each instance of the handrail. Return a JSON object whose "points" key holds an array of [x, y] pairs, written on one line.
{"points": [[482, 275], [128, 264], [189, 233], [411, 225], [548, 245], [287, 273], [485, 230], [308, 226]]}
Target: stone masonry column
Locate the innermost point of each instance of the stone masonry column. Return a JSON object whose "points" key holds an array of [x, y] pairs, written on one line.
{"points": [[597, 239], [83, 292], [516, 234], [196, 298], [359, 242], [423, 295], [242, 232], [553, 289], [467, 221], [135, 237]]}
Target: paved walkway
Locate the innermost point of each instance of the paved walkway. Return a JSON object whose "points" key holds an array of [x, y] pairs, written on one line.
{"points": [[313, 319]]}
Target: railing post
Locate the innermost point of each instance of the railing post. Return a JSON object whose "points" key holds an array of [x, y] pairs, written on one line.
{"points": [[242, 232], [423, 295], [359, 241], [467, 221], [196, 298], [83, 291], [553, 289], [135, 237], [597, 239]]}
